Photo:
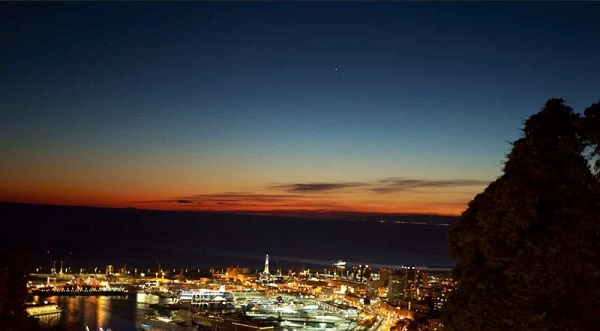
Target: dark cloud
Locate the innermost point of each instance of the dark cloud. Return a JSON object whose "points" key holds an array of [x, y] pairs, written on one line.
{"points": [[163, 201], [316, 187], [226, 198], [243, 196], [240, 198], [402, 184], [168, 201]]}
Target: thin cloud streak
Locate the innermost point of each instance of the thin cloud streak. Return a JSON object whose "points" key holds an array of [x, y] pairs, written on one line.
{"points": [[226, 198], [316, 187], [389, 185], [174, 201], [243, 197]]}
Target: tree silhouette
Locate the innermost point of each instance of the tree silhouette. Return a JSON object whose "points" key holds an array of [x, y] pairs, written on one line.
{"points": [[590, 126], [527, 246], [14, 268], [14, 271]]}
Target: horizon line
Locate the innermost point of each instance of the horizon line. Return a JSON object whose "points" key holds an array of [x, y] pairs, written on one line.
{"points": [[291, 213]]}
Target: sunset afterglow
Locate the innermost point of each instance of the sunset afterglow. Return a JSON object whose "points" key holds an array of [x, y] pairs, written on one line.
{"points": [[277, 107]]}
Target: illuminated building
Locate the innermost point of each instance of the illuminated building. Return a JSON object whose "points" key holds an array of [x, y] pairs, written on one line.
{"points": [[411, 281], [396, 284], [384, 277], [372, 289], [361, 273]]}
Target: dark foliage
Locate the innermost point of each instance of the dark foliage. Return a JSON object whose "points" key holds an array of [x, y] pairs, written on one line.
{"points": [[14, 268], [527, 248], [14, 271]]}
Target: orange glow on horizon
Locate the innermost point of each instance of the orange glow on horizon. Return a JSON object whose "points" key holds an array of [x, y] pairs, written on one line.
{"points": [[270, 201], [300, 210]]}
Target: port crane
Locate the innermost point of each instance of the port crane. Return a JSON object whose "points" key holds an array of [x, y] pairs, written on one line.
{"points": [[159, 269], [52, 263], [63, 265]]}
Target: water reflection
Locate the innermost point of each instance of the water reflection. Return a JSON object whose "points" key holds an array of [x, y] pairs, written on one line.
{"points": [[103, 312], [49, 320]]}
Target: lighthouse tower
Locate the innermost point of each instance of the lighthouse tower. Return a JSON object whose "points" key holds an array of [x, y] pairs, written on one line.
{"points": [[266, 271]]}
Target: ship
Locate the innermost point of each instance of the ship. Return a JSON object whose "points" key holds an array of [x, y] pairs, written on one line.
{"points": [[206, 298], [40, 309], [76, 289], [47, 314]]}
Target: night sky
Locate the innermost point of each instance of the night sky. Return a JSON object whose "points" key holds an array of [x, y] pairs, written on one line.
{"points": [[391, 107]]}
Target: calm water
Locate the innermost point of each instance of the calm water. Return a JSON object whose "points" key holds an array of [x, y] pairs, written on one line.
{"points": [[118, 313], [97, 237]]}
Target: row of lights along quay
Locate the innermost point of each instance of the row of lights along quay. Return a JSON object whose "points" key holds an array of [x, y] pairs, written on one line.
{"points": [[359, 297]]}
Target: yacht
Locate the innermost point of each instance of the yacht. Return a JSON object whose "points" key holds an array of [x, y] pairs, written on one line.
{"points": [[157, 322]]}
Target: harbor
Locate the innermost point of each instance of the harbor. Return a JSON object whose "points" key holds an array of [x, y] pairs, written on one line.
{"points": [[237, 298]]}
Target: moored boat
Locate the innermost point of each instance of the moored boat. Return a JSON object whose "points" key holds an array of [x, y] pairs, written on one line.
{"points": [[39, 309]]}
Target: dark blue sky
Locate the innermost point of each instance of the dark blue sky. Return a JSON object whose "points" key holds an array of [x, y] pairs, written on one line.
{"points": [[110, 103]]}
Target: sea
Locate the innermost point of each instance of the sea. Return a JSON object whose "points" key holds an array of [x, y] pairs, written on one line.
{"points": [[85, 239], [101, 313]]}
